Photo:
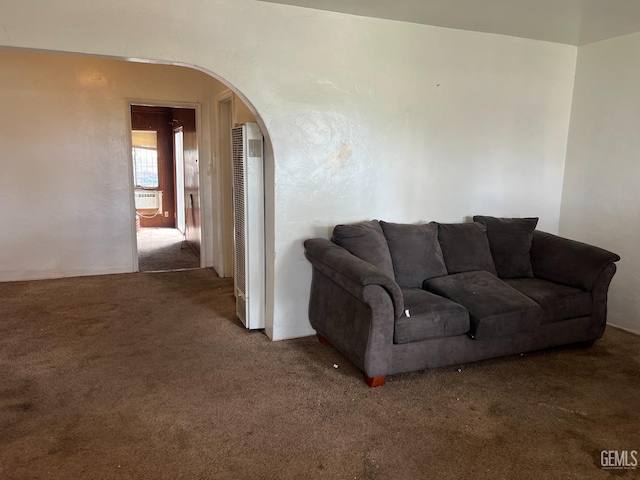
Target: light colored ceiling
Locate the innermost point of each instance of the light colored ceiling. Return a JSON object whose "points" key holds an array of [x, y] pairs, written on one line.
{"points": [[574, 22]]}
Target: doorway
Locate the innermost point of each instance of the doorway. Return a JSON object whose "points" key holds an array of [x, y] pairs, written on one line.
{"points": [[166, 187]]}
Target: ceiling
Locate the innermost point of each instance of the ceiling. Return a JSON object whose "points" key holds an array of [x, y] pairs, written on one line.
{"points": [[574, 22]]}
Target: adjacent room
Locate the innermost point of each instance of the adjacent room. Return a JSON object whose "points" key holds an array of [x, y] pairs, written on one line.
{"points": [[166, 187], [116, 160]]}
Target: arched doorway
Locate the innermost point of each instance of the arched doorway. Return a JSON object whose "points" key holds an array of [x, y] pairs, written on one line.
{"points": [[78, 145]]}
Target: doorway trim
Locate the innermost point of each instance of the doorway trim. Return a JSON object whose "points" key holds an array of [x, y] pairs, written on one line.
{"points": [[204, 197], [178, 168], [225, 257]]}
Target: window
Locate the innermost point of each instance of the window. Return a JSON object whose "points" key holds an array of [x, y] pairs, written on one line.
{"points": [[145, 158]]}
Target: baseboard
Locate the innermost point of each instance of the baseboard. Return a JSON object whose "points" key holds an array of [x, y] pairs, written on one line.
{"points": [[56, 274], [623, 328]]}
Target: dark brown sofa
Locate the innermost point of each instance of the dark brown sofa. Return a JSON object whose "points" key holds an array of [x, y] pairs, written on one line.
{"points": [[396, 298]]}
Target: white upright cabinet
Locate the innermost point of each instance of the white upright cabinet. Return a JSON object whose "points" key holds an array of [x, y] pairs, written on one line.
{"points": [[248, 207]]}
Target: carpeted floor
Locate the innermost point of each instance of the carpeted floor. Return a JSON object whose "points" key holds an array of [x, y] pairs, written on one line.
{"points": [[151, 376], [162, 249]]}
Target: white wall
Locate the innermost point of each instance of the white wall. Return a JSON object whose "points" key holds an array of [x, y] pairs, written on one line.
{"points": [[367, 118], [601, 199], [65, 160]]}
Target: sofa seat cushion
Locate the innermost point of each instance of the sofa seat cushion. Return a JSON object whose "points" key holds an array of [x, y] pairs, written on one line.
{"points": [[559, 302], [495, 308], [430, 316]]}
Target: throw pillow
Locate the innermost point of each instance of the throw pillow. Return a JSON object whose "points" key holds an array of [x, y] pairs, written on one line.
{"points": [[366, 241], [465, 247], [415, 252], [510, 242]]}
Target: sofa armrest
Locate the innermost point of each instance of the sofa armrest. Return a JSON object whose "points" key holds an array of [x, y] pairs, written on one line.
{"points": [[351, 272], [599, 295], [567, 261]]}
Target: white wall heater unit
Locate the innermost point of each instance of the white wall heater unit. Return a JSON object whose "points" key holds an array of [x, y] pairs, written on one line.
{"points": [[148, 199], [248, 209]]}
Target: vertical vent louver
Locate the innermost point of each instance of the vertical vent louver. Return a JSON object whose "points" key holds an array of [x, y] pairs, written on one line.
{"points": [[239, 208]]}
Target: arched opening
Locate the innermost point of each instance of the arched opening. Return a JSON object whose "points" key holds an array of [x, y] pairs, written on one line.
{"points": [[69, 143]]}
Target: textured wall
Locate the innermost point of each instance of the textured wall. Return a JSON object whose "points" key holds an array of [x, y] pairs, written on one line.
{"points": [[366, 118], [600, 202]]}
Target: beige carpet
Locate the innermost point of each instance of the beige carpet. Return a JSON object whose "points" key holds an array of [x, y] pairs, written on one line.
{"points": [[151, 376], [164, 249]]}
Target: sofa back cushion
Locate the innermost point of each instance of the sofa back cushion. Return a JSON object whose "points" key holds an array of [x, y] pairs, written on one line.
{"points": [[465, 247], [415, 252], [365, 240], [510, 242]]}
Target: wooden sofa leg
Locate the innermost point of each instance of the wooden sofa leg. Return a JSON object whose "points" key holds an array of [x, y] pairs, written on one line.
{"points": [[372, 382], [375, 381]]}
